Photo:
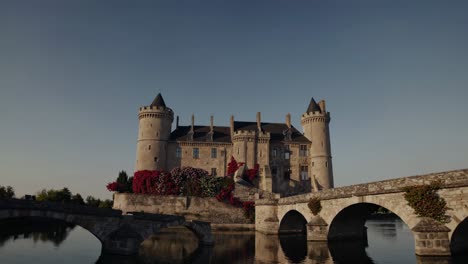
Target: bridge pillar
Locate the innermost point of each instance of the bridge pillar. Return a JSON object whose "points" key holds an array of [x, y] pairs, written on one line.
{"points": [[202, 230], [431, 238], [317, 229], [266, 216]]}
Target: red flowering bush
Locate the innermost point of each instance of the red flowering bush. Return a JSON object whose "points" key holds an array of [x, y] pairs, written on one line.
{"points": [[251, 174], [122, 184], [116, 187], [225, 195], [155, 182], [232, 167], [189, 181]]}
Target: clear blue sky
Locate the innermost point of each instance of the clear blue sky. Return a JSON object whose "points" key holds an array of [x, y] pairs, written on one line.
{"points": [[73, 74]]}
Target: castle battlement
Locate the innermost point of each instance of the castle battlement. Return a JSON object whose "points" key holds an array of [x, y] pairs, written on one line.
{"points": [[156, 112], [315, 116]]}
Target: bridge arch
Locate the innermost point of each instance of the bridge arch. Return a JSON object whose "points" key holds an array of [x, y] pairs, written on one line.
{"points": [[349, 222], [18, 213], [459, 240], [118, 234], [293, 222]]}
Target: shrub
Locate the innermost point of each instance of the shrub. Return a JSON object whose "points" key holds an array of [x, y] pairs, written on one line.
{"points": [[122, 184], [426, 202], [6, 192], [314, 205], [64, 195]]}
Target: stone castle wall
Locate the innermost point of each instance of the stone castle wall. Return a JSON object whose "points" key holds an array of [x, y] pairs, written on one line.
{"points": [[192, 208]]}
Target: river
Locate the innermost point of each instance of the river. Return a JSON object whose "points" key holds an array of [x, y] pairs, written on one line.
{"points": [[40, 241]]}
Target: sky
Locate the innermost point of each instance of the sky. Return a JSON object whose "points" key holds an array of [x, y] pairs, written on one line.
{"points": [[73, 74]]}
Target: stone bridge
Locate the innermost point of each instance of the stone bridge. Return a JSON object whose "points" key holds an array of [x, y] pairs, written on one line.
{"points": [[345, 210], [119, 234]]}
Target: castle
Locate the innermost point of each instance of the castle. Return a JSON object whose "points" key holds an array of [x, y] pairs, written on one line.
{"points": [[288, 160]]}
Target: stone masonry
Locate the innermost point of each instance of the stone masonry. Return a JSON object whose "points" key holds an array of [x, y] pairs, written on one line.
{"points": [[345, 210]]}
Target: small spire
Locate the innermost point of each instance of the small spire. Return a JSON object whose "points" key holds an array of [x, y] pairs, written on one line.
{"points": [[313, 107], [158, 101], [259, 122]]}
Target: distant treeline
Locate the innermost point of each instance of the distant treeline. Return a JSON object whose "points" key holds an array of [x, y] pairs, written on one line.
{"points": [[64, 195]]}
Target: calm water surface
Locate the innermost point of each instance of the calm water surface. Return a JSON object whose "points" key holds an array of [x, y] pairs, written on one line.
{"points": [[38, 241]]}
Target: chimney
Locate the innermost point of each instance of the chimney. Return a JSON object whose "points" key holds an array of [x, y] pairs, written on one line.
{"points": [[259, 122], [193, 123], [177, 122], [211, 123], [322, 106], [288, 120], [232, 125]]}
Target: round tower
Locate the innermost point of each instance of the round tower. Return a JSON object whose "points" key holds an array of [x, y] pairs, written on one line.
{"points": [[315, 125], [155, 122]]}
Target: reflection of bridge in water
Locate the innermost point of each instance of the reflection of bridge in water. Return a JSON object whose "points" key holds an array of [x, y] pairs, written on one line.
{"points": [[118, 234], [346, 209]]}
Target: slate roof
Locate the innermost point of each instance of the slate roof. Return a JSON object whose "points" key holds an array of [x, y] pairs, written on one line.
{"points": [[158, 101], [276, 130], [223, 134], [313, 107]]}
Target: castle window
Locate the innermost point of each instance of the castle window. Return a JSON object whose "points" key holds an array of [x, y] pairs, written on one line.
{"points": [[274, 152], [214, 153], [313, 163], [274, 170], [149, 147], [178, 152], [213, 171], [287, 174], [326, 164], [196, 153], [155, 159], [303, 151], [304, 173]]}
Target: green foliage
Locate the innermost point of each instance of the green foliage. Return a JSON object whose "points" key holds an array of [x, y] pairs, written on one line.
{"points": [[210, 186], [105, 204], [91, 201], [192, 187], [77, 199], [63, 195], [6, 192], [426, 202], [314, 205], [122, 178]]}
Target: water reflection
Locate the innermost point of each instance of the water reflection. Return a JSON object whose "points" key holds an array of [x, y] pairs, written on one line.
{"points": [[389, 241], [37, 229]]}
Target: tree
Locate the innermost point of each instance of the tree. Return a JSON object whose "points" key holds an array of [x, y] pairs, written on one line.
{"points": [[122, 178], [77, 199], [122, 184], [105, 204], [64, 195], [91, 201], [6, 192]]}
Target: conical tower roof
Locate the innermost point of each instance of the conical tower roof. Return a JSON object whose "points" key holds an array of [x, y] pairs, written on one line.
{"points": [[158, 101], [313, 106]]}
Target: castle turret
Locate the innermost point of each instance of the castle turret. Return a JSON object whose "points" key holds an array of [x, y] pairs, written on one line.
{"points": [[315, 124], [154, 130]]}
